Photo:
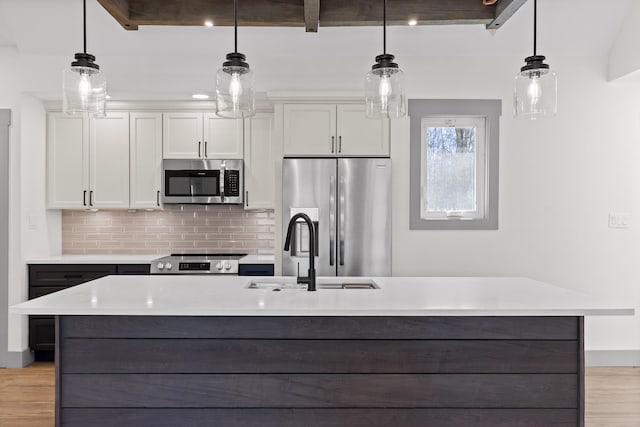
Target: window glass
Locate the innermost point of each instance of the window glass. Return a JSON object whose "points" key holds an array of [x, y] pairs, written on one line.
{"points": [[452, 167]]}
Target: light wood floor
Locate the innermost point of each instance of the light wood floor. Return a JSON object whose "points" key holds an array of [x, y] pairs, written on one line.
{"points": [[27, 396]]}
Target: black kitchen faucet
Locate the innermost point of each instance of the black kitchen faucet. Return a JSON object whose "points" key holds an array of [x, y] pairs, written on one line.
{"points": [[310, 280]]}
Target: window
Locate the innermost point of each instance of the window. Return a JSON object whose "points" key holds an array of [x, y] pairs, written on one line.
{"points": [[454, 164]]}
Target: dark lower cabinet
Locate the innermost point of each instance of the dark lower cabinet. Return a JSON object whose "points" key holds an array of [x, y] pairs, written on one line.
{"points": [[48, 278], [255, 270]]}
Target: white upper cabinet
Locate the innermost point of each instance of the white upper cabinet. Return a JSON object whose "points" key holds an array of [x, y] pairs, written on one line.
{"points": [[259, 166], [109, 161], [333, 130], [360, 136], [182, 135], [223, 138], [67, 161], [200, 135], [309, 130], [88, 161], [145, 150]]}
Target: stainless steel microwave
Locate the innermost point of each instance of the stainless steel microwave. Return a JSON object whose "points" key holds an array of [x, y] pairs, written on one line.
{"points": [[202, 181]]}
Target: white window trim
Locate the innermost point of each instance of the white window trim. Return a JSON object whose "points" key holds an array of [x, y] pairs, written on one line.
{"points": [[480, 123]]}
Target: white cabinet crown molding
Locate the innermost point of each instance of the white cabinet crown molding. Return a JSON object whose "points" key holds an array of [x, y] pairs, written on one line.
{"points": [[317, 97], [263, 105]]}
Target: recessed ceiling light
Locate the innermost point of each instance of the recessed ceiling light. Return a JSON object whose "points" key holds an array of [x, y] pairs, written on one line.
{"points": [[208, 23], [108, 96], [413, 22], [200, 96]]}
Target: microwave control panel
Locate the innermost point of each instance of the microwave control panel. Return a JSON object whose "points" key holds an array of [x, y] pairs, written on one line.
{"points": [[232, 183]]}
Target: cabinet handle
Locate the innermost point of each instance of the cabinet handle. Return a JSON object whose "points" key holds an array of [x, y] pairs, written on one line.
{"points": [[205, 149], [199, 148], [73, 276], [84, 198], [246, 198], [158, 198], [91, 198], [333, 144], [340, 144]]}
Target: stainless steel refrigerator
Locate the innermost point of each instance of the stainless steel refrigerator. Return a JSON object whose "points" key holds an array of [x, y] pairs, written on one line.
{"points": [[349, 202]]}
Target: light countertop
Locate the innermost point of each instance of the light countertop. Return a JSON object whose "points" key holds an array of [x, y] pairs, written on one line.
{"points": [[95, 259], [168, 295], [129, 259]]}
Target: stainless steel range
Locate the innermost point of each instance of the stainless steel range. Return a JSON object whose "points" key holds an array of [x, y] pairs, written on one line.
{"points": [[197, 264]]}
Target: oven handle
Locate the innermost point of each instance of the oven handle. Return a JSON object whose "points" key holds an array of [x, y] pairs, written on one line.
{"points": [[223, 167]]}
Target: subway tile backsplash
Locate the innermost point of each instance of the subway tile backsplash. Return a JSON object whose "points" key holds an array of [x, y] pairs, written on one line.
{"points": [[177, 229]]}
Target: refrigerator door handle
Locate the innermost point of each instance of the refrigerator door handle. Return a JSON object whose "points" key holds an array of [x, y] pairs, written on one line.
{"points": [[341, 212], [332, 220]]}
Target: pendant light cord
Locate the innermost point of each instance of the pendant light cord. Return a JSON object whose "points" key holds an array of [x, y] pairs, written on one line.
{"points": [[235, 25], [84, 23], [535, 27], [384, 28]]}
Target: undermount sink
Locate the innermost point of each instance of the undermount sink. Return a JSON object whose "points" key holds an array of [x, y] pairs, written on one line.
{"points": [[281, 286]]}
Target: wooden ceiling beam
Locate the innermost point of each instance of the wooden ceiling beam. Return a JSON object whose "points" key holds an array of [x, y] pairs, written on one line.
{"points": [[308, 13], [504, 10], [119, 9], [311, 15], [338, 13]]}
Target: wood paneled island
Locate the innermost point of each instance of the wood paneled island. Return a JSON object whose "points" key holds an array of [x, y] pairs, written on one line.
{"points": [[202, 351]]}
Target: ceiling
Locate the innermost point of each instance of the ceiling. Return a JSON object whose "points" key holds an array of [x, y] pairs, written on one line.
{"points": [[171, 62]]}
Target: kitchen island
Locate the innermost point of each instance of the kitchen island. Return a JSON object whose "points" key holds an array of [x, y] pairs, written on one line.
{"points": [[207, 351]]}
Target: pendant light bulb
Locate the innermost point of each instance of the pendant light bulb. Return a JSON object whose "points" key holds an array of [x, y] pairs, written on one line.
{"points": [[84, 87], [385, 92], [235, 88], [536, 85], [235, 96], [384, 84], [534, 92]]}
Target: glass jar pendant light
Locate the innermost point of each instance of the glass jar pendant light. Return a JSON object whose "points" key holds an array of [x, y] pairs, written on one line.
{"points": [[235, 96], [536, 89], [384, 84], [84, 87]]}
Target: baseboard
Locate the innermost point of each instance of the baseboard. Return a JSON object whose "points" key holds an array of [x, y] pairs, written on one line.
{"points": [[612, 358], [19, 359]]}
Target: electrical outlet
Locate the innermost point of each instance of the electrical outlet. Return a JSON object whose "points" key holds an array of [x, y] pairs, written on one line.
{"points": [[619, 220]]}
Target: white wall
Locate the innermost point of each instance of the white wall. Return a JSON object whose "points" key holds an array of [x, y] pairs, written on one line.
{"points": [[27, 186], [559, 180], [624, 58]]}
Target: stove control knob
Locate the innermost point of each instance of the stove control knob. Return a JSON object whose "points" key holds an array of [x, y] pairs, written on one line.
{"points": [[219, 266], [168, 266], [160, 266], [227, 265]]}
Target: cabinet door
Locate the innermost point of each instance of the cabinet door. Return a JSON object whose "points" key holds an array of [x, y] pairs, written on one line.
{"points": [[223, 138], [309, 130], [145, 147], [67, 161], [360, 136], [259, 173], [182, 135], [109, 161]]}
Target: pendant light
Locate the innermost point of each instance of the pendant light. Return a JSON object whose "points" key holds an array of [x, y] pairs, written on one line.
{"points": [[384, 84], [536, 89], [84, 87], [235, 97]]}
